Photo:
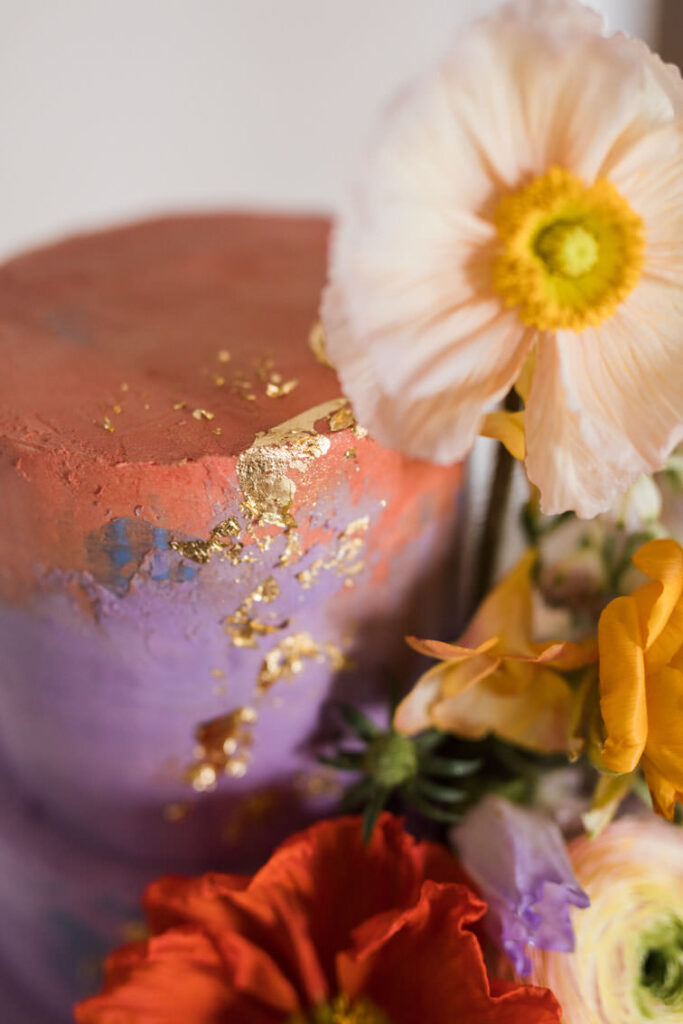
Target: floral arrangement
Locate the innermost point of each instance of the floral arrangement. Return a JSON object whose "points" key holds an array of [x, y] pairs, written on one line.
{"points": [[510, 265]]}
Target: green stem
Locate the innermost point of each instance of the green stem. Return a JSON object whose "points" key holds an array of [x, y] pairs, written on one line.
{"points": [[494, 521]]}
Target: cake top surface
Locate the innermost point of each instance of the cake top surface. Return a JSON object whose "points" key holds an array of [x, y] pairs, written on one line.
{"points": [[169, 339]]}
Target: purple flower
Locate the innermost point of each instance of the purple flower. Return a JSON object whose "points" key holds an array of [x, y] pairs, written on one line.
{"points": [[517, 858]]}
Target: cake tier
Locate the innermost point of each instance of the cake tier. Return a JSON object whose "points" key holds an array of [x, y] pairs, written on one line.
{"points": [[200, 547]]}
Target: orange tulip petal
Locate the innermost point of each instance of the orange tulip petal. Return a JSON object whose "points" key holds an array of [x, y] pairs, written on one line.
{"points": [[622, 685], [507, 611]]}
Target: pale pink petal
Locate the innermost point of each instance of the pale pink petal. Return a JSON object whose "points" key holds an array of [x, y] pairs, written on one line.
{"points": [[649, 174], [607, 404], [435, 415]]}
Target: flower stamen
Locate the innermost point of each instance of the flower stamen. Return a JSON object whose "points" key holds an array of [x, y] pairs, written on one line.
{"points": [[570, 253]]}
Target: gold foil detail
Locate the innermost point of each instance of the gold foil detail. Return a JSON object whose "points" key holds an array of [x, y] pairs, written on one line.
{"points": [[316, 342], [242, 628], [176, 812], [255, 808], [118, 409], [106, 424], [350, 454], [322, 783], [223, 748], [287, 658], [177, 406], [223, 356], [342, 419], [345, 559], [274, 389], [263, 470], [202, 550], [202, 414], [124, 386]]}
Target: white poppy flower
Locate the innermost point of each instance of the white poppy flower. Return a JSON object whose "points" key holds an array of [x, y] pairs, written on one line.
{"points": [[522, 207]]}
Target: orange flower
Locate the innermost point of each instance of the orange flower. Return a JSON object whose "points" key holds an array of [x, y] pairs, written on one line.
{"points": [[323, 933], [497, 679], [641, 675]]}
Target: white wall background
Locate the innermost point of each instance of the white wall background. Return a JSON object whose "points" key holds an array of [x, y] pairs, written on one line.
{"points": [[114, 108]]}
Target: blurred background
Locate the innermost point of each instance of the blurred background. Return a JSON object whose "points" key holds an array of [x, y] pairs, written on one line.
{"points": [[112, 109]]}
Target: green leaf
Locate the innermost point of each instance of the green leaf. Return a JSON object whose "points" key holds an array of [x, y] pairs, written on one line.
{"points": [[448, 767], [439, 791], [345, 760], [431, 811], [426, 741], [356, 795], [372, 812], [358, 722]]}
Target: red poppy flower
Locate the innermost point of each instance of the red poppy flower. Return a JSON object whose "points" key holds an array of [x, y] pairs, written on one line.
{"points": [[329, 931]]}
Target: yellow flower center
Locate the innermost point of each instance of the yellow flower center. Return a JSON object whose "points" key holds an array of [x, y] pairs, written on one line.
{"points": [[342, 1011], [570, 253]]}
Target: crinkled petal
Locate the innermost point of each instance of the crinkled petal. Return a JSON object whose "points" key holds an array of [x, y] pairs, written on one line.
{"points": [[529, 705], [446, 978], [661, 604], [518, 860], [177, 976], [622, 685], [607, 405]]}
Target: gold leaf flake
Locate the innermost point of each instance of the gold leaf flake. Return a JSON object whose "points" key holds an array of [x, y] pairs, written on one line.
{"points": [[179, 405], [202, 414], [343, 419], [316, 342], [176, 812], [350, 454], [276, 390], [223, 356], [223, 746], [202, 550]]}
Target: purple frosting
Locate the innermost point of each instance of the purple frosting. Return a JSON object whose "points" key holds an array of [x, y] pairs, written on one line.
{"points": [[519, 862]]}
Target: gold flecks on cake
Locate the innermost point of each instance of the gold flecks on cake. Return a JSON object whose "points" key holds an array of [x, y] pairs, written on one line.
{"points": [[223, 356], [106, 424], [350, 453], [263, 470], [202, 414], [254, 809], [292, 549], [123, 386], [218, 673], [223, 748], [359, 432], [176, 812], [287, 659], [345, 559], [202, 550], [325, 782], [242, 628], [342, 419], [177, 406], [117, 409], [277, 389], [316, 342]]}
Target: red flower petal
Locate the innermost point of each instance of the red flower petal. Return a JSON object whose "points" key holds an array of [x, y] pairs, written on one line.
{"points": [[424, 963], [174, 977]]}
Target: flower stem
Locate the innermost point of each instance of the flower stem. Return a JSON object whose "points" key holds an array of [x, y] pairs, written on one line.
{"points": [[494, 522]]}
